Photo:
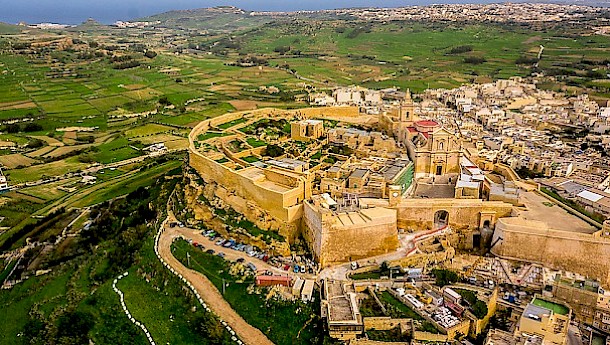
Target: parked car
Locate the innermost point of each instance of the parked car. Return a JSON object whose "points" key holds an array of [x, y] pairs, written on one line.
{"points": [[222, 255], [251, 266], [302, 269], [296, 269], [210, 251], [220, 242], [286, 267], [240, 260]]}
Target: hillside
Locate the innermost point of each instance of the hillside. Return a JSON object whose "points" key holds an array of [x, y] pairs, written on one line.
{"points": [[215, 19], [9, 28]]}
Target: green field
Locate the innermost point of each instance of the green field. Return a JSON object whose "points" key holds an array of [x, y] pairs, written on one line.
{"points": [[396, 308]]}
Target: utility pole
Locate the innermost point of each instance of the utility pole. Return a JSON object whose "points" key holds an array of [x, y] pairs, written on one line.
{"points": [[223, 286], [188, 259]]}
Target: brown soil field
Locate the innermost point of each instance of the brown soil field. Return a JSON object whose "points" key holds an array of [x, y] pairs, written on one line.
{"points": [[17, 105], [60, 151], [14, 160], [41, 152], [241, 105], [49, 140]]}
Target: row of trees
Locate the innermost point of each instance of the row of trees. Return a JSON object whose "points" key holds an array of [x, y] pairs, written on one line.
{"points": [[28, 127]]}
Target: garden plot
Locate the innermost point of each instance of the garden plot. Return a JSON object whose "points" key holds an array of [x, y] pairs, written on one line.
{"points": [[16, 160]]}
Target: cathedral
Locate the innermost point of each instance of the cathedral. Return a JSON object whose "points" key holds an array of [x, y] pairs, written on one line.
{"points": [[433, 149]]}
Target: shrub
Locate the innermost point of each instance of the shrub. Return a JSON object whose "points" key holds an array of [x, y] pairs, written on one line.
{"points": [[460, 49]]}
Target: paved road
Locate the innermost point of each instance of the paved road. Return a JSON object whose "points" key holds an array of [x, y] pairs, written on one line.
{"points": [[213, 298]]}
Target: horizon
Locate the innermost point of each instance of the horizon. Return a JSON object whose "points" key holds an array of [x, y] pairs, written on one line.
{"points": [[74, 12]]}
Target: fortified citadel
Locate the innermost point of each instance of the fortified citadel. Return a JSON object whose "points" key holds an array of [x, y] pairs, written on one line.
{"points": [[349, 183]]}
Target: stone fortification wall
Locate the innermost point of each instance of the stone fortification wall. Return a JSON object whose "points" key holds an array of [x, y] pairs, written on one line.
{"points": [[419, 213], [334, 242], [386, 323], [268, 207], [276, 203], [533, 241], [328, 112]]}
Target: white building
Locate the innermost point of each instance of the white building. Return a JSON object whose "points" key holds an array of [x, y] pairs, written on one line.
{"points": [[3, 182]]}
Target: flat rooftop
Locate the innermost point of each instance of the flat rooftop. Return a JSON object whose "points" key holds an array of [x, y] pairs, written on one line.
{"points": [[258, 176], [340, 307], [555, 307], [554, 216]]}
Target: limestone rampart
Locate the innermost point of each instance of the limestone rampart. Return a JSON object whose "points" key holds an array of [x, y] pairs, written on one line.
{"points": [[332, 241], [534, 241], [463, 213]]}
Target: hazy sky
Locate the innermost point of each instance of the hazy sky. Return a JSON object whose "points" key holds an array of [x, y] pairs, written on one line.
{"points": [[109, 11]]}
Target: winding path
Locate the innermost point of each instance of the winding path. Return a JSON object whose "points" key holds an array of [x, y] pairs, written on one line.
{"points": [[213, 298]]}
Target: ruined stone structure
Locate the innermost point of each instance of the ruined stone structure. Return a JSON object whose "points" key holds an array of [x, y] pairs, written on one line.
{"points": [[534, 241]]}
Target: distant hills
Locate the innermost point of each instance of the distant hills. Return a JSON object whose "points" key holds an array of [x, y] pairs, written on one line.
{"points": [[216, 19], [9, 28]]}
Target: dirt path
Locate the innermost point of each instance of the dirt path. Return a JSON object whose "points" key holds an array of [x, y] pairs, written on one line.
{"points": [[209, 293]]}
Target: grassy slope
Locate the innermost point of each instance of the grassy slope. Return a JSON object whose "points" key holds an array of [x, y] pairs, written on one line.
{"points": [[282, 322], [414, 54], [152, 294]]}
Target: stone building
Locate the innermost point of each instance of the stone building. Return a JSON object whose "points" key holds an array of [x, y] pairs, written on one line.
{"points": [[590, 304], [437, 152], [306, 130], [546, 319]]}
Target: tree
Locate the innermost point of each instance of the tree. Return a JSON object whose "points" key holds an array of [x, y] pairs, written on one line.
{"points": [[479, 309], [384, 268], [164, 100], [282, 49], [445, 277], [150, 54], [32, 127], [75, 326], [211, 328], [12, 128], [35, 143], [85, 158], [460, 49], [274, 150]]}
